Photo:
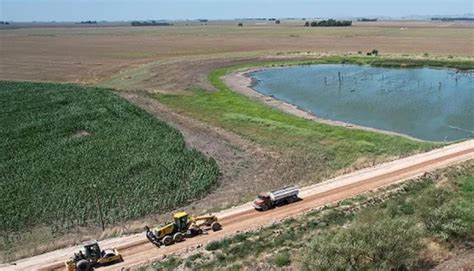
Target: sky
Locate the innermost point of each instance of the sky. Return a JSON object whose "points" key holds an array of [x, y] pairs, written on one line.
{"points": [[119, 10]]}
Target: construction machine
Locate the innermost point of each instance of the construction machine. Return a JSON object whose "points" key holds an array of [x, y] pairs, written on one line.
{"points": [[91, 256], [182, 227]]}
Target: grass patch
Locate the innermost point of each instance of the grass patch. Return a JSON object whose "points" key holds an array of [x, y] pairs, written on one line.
{"points": [[67, 148]]}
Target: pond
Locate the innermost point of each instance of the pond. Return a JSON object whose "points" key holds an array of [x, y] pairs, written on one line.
{"points": [[425, 103]]}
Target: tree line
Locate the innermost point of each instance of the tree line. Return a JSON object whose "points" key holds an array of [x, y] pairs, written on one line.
{"points": [[328, 23], [150, 23]]}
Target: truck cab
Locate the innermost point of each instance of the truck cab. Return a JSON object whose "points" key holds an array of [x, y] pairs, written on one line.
{"points": [[263, 202]]}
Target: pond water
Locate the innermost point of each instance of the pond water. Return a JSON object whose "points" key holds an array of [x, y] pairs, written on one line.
{"points": [[426, 103]]}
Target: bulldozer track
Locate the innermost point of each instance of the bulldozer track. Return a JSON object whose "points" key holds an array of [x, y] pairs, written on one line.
{"points": [[137, 250]]}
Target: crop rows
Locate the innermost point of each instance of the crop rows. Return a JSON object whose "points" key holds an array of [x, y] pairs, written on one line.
{"points": [[67, 149]]}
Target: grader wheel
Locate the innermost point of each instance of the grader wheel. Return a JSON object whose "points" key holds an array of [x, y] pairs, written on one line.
{"points": [[178, 237], [215, 226], [167, 240]]}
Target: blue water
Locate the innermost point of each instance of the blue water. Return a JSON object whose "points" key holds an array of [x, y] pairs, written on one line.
{"points": [[426, 103]]}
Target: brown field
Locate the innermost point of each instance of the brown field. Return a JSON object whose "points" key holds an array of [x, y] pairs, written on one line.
{"points": [[90, 55]]}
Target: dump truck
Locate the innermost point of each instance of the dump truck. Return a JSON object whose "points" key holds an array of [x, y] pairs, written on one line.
{"points": [[91, 256], [182, 227], [268, 200]]}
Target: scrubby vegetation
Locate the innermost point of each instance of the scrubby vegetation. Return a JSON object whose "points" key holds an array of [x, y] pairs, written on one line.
{"points": [[69, 151], [386, 230]]}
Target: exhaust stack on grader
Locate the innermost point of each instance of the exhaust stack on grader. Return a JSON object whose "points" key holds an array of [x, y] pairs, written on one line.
{"points": [[182, 227]]}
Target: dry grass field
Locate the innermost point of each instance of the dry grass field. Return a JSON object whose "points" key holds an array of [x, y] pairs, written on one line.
{"points": [[90, 55]]}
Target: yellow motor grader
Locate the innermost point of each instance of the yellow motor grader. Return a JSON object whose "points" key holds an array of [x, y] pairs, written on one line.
{"points": [[182, 227], [91, 256]]}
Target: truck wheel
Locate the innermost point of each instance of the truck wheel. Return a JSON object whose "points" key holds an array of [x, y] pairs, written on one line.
{"points": [[167, 240], [83, 265], [178, 237], [215, 226], [264, 208]]}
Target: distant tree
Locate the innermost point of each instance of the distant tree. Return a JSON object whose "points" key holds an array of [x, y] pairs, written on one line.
{"points": [[306, 24], [149, 23], [375, 52], [330, 23], [240, 24], [277, 21], [383, 244]]}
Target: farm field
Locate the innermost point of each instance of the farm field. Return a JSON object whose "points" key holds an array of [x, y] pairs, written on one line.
{"points": [[147, 111], [94, 54], [71, 152]]}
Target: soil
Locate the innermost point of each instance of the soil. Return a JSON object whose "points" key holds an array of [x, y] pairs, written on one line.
{"points": [[90, 54]]}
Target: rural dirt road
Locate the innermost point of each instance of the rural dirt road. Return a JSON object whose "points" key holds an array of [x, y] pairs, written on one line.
{"points": [[136, 250]]}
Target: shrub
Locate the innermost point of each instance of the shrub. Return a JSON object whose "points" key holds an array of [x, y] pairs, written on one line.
{"points": [[306, 24], [282, 259], [214, 245], [375, 52], [453, 220], [240, 24], [383, 244]]}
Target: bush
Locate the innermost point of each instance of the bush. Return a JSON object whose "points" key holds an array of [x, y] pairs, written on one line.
{"points": [[453, 220], [282, 259], [375, 52], [240, 24], [306, 24], [214, 245], [382, 244]]}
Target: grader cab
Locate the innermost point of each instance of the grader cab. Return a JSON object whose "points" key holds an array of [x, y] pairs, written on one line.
{"points": [[182, 227]]}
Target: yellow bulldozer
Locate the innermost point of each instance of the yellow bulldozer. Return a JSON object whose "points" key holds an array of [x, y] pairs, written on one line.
{"points": [[182, 227], [91, 256]]}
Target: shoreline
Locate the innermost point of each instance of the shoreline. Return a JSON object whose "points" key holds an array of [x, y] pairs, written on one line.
{"points": [[241, 82]]}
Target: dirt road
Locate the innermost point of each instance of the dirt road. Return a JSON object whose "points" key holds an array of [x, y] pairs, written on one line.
{"points": [[137, 250]]}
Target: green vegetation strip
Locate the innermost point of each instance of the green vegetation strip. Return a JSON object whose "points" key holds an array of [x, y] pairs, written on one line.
{"points": [[329, 146], [68, 149]]}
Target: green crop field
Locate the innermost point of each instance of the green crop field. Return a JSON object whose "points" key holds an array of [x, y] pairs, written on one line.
{"points": [[66, 149]]}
